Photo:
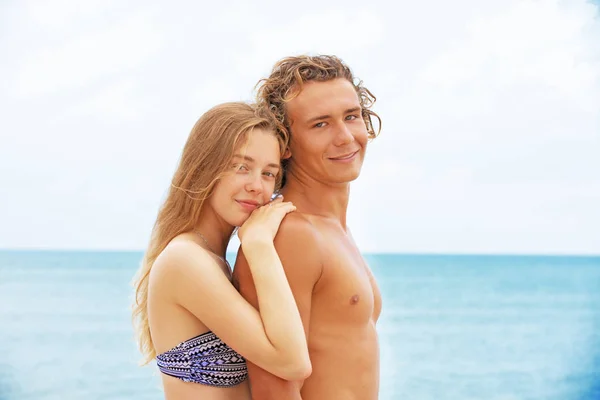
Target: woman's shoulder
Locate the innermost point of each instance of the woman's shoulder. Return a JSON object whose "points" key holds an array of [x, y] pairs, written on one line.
{"points": [[180, 255]]}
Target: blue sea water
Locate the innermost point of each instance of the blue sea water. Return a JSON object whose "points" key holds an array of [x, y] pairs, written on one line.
{"points": [[452, 327]]}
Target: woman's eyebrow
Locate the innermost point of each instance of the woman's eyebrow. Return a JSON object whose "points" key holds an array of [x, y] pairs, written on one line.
{"points": [[250, 159]]}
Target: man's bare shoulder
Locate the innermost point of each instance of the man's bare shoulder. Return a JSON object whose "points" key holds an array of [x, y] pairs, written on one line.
{"points": [[299, 231], [299, 241]]}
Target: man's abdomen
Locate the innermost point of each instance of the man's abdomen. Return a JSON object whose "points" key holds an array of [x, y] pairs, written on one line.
{"points": [[345, 365]]}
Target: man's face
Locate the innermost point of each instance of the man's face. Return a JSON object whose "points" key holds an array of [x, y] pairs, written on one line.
{"points": [[328, 133]]}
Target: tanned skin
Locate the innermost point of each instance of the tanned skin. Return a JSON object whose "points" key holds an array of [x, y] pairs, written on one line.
{"points": [[334, 289]]}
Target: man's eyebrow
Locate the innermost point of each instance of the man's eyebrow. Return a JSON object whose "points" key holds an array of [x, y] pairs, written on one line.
{"points": [[317, 118], [325, 116], [352, 110], [250, 159]]}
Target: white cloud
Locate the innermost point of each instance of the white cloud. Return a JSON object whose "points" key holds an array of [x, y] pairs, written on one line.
{"points": [[491, 116], [494, 145], [88, 56], [535, 42], [60, 13], [328, 31], [116, 100]]}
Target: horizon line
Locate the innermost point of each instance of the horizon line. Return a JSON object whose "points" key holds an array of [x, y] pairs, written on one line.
{"points": [[399, 253]]}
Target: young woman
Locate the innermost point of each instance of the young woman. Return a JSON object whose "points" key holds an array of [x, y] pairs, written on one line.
{"points": [[188, 314]]}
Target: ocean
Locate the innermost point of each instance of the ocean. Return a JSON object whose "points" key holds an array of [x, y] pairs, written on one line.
{"points": [[452, 327]]}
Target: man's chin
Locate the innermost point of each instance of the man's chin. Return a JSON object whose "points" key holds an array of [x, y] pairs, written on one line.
{"points": [[347, 178]]}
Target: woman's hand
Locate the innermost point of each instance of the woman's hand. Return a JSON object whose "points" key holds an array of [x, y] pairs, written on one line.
{"points": [[264, 222]]}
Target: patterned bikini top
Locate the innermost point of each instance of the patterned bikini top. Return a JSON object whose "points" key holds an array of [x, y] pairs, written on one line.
{"points": [[204, 359]]}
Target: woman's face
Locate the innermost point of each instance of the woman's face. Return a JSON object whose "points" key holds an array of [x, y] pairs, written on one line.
{"points": [[249, 181]]}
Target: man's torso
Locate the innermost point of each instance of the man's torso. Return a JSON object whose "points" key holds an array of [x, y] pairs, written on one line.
{"points": [[346, 304]]}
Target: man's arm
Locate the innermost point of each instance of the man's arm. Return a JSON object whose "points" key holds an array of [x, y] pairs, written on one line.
{"points": [[298, 248]]}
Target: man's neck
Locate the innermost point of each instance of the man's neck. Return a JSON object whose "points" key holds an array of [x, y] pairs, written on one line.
{"points": [[318, 198]]}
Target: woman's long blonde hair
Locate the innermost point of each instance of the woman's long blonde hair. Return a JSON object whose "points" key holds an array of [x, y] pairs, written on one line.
{"points": [[206, 155]]}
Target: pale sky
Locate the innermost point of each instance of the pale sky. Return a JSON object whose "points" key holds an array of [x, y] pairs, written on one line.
{"points": [[491, 115]]}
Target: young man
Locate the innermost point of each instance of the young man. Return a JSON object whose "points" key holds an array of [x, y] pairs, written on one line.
{"points": [[316, 101]]}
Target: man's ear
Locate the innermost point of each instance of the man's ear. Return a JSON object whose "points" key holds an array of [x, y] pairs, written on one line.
{"points": [[286, 154]]}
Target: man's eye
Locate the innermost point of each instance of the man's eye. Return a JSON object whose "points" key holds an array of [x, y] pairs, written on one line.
{"points": [[319, 124]]}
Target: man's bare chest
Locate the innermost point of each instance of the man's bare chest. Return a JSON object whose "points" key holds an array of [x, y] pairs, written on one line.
{"points": [[347, 291]]}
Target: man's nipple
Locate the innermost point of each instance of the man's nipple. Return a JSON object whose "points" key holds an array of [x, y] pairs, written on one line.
{"points": [[354, 299]]}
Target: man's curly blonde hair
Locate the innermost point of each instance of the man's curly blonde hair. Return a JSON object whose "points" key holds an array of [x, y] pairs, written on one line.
{"points": [[286, 81], [289, 75]]}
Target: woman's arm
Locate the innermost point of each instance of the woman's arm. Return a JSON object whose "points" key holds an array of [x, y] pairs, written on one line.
{"points": [[273, 338], [298, 246]]}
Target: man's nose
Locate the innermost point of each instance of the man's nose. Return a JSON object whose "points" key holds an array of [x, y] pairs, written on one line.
{"points": [[344, 135]]}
